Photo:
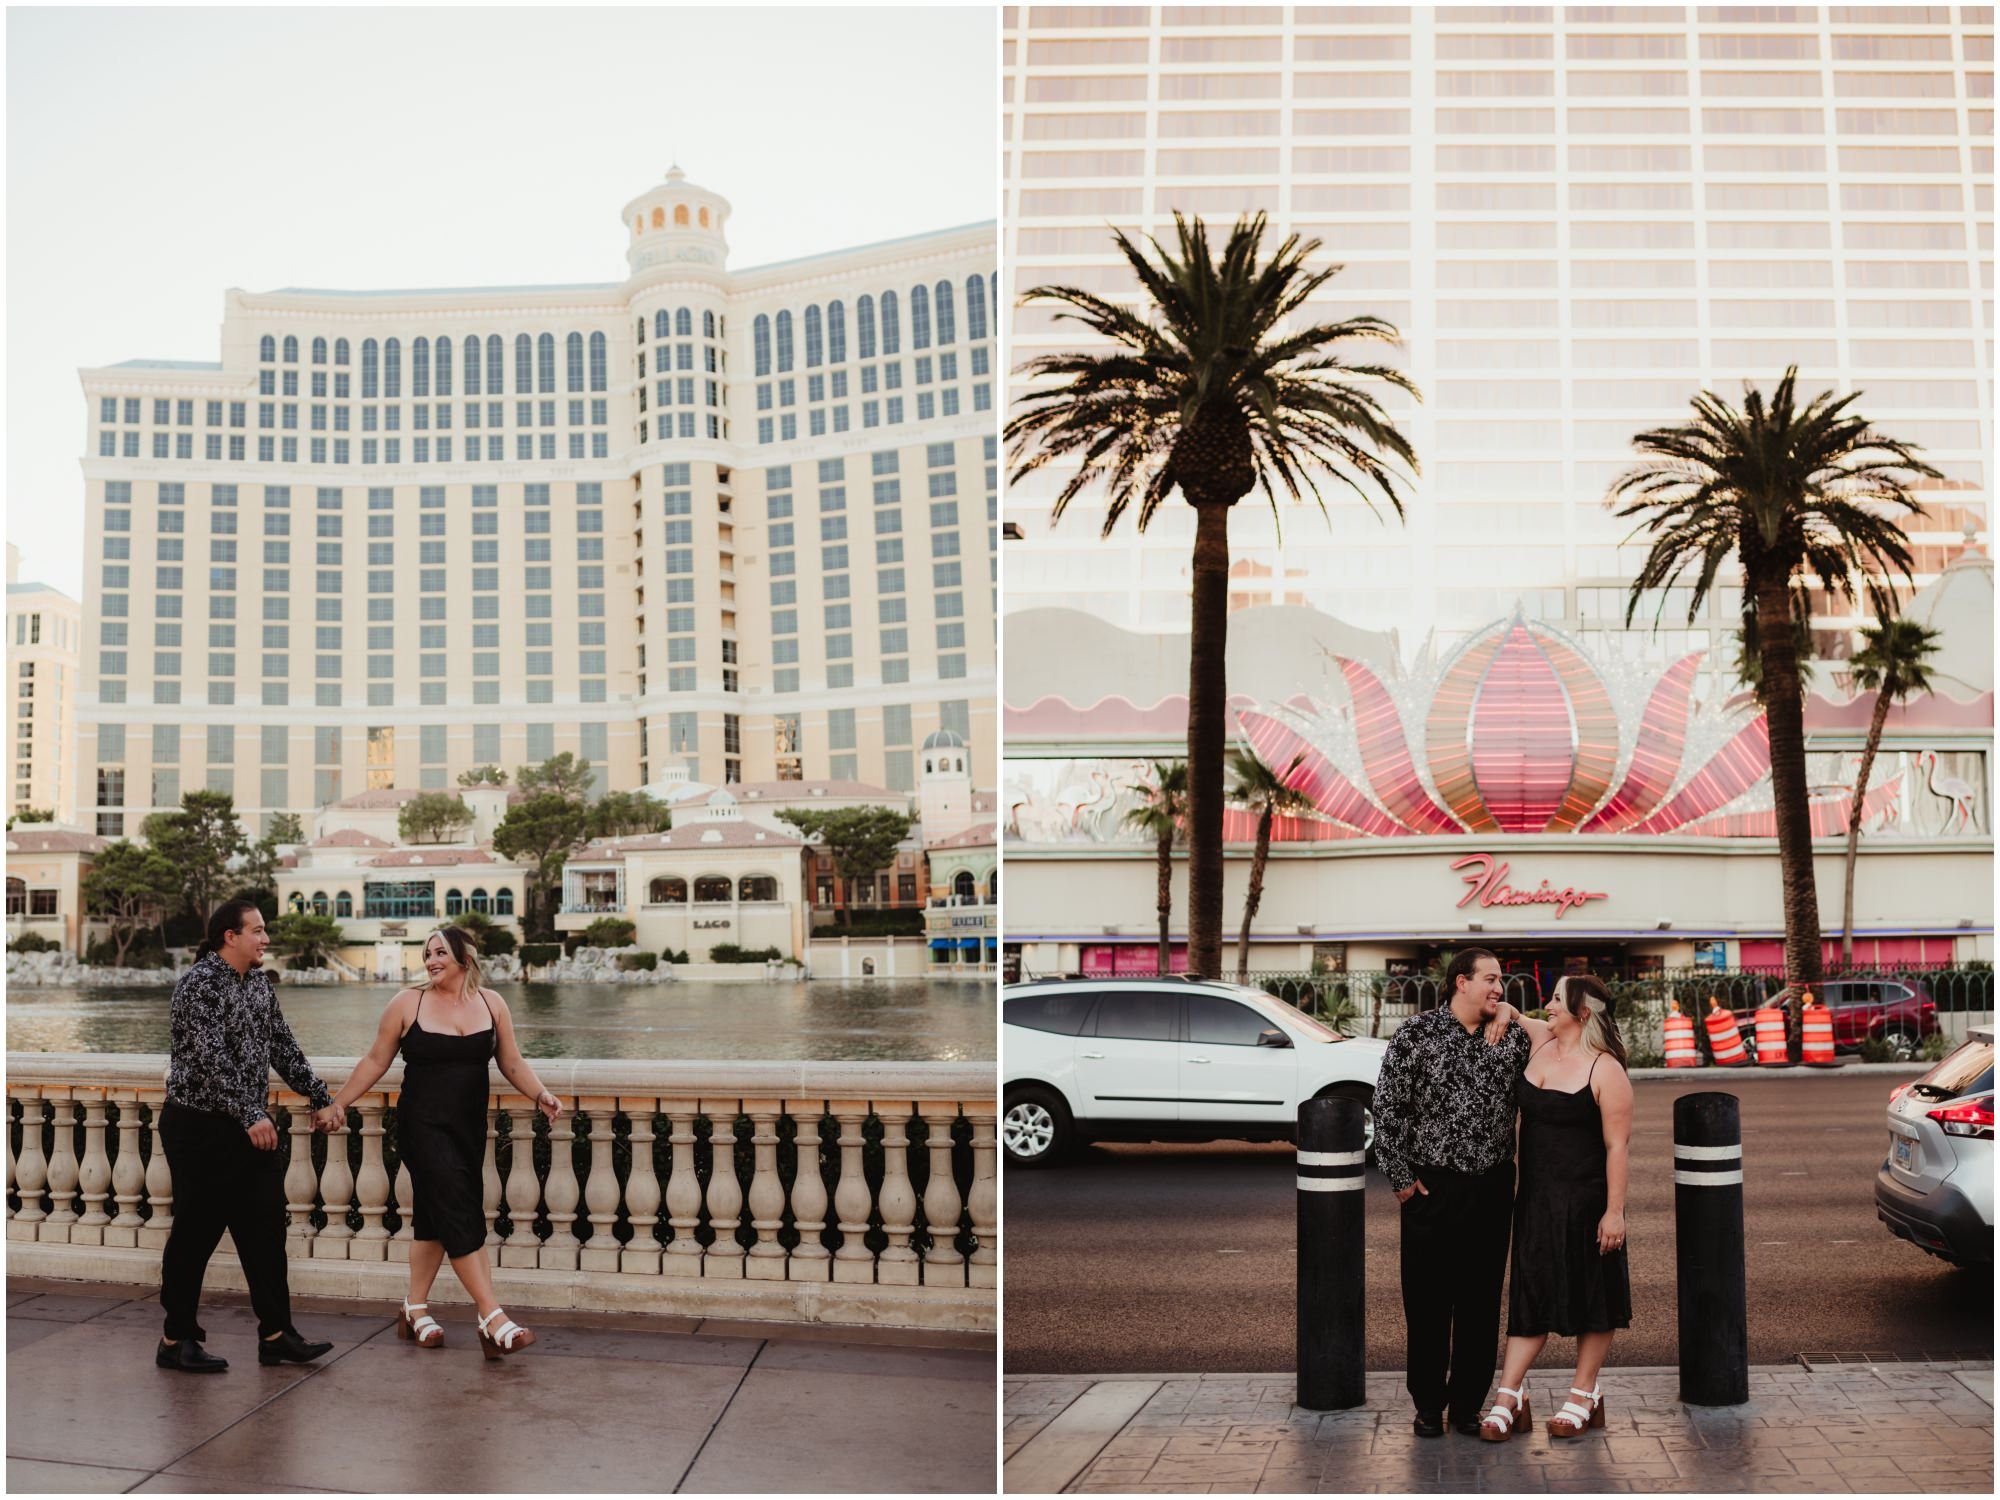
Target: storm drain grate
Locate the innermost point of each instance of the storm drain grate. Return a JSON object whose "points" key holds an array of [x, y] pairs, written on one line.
{"points": [[1850, 1358]]}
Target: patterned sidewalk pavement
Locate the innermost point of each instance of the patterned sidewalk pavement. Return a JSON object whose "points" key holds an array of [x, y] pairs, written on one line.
{"points": [[1830, 1429]]}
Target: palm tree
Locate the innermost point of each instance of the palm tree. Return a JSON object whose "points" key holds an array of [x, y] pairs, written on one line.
{"points": [[1796, 493], [1893, 664], [1749, 662], [1256, 787], [1162, 817], [1209, 392]]}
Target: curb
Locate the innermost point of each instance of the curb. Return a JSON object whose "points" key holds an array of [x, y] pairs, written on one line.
{"points": [[1794, 1070], [1789, 1367]]}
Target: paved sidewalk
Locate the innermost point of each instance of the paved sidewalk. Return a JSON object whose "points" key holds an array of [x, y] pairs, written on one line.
{"points": [[1889, 1428], [602, 1403]]}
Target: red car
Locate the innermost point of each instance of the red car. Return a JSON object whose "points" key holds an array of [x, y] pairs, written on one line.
{"points": [[1898, 1011]]}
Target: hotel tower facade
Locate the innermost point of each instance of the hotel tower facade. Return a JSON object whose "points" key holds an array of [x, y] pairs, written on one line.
{"points": [[737, 522]]}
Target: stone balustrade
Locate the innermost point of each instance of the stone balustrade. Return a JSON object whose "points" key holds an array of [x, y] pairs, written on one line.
{"points": [[824, 1192]]}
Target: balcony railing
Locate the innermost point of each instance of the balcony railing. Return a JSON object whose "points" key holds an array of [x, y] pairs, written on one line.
{"points": [[823, 1192], [598, 908]]}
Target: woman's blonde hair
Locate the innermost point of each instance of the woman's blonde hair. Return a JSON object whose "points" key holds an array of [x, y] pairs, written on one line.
{"points": [[464, 952], [1590, 1002]]}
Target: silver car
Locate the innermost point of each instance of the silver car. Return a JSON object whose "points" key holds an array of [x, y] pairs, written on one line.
{"points": [[1935, 1188]]}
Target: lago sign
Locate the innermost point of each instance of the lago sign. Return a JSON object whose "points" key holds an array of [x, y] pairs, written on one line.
{"points": [[1486, 884]]}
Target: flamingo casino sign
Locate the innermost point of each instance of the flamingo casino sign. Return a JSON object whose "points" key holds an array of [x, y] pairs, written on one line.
{"points": [[1486, 883]]}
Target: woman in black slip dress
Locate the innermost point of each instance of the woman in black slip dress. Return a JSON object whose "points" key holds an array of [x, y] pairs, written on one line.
{"points": [[1569, 1274], [448, 1031]]}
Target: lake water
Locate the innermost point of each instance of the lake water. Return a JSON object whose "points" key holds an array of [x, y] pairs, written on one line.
{"points": [[827, 1020]]}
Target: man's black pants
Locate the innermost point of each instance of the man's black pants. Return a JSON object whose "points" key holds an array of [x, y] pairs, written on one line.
{"points": [[221, 1182], [1454, 1262]]}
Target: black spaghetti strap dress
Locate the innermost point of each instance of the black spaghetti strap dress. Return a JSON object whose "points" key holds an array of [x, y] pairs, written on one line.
{"points": [[1560, 1282], [441, 1130]]}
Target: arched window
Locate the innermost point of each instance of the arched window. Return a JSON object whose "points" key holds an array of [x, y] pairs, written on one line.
{"points": [[784, 342], [319, 351], [454, 902], [708, 325], [545, 364], [340, 351], [524, 365], [420, 368], [712, 888], [864, 328], [444, 367], [892, 331], [836, 333], [975, 308], [757, 888], [683, 323], [993, 887], [503, 902], [320, 907], [496, 365], [599, 362], [392, 368], [267, 349], [291, 349], [371, 361], [920, 318], [659, 218], [946, 323], [704, 218], [17, 896], [479, 902], [297, 904], [815, 338], [760, 342], [680, 215], [472, 365], [573, 361], [667, 890], [662, 325], [963, 886], [343, 904], [993, 299]]}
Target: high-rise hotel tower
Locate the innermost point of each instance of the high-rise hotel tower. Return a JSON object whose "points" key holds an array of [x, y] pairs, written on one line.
{"points": [[741, 522]]}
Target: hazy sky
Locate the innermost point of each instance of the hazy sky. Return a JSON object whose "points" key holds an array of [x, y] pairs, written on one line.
{"points": [[157, 157]]}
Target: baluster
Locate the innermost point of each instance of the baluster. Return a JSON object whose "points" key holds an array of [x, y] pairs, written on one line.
{"points": [[811, 1261], [63, 1171], [983, 1203], [683, 1256], [402, 1239], [128, 1175], [301, 1185], [159, 1181], [371, 1187], [725, 1193], [766, 1261], [898, 1200], [642, 1191], [563, 1193], [489, 1173], [7, 1141], [94, 1178], [31, 1171], [600, 1192], [521, 1248], [853, 1261], [941, 1200], [336, 1191]]}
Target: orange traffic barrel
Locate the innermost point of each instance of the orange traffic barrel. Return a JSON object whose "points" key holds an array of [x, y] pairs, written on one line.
{"points": [[1816, 1024], [1771, 1049], [1725, 1042], [1681, 1052]]}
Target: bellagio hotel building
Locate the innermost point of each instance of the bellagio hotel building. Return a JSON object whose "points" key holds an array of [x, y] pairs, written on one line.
{"points": [[738, 522]]}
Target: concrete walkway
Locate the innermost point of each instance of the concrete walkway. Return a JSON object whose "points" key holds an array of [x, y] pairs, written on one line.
{"points": [[1832, 1429], [602, 1403]]}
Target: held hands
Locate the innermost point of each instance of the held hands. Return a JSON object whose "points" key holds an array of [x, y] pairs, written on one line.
{"points": [[264, 1135], [1403, 1195], [549, 1105], [331, 1119], [1610, 1233]]}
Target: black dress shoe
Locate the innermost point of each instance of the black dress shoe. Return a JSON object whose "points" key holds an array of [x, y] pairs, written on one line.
{"points": [[1429, 1424], [289, 1349], [1469, 1426], [187, 1356]]}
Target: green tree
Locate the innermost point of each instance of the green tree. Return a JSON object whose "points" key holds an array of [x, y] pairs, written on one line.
{"points": [[541, 832], [32, 815], [432, 818], [621, 814], [200, 841], [1794, 493], [488, 936], [861, 840], [567, 775], [133, 885], [609, 932], [1223, 383], [305, 938], [1893, 664], [1257, 788], [285, 828], [483, 776], [1163, 818]]}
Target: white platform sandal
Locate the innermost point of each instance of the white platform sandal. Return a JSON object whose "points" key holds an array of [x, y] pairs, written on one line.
{"points": [[415, 1324], [1503, 1417], [503, 1339], [1573, 1420]]}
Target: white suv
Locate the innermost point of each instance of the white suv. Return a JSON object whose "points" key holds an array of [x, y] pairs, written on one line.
{"points": [[1165, 1059], [1935, 1188]]}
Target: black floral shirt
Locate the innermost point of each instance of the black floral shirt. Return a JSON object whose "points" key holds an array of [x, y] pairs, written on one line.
{"points": [[228, 1034], [1445, 1097]]}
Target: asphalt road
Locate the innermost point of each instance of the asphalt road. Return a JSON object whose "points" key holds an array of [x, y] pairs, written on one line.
{"points": [[1168, 1258]]}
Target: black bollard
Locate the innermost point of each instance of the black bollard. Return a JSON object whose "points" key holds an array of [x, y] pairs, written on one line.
{"points": [[1332, 1168], [1708, 1234]]}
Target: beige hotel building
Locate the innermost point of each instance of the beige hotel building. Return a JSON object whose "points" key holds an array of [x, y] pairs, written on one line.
{"points": [[737, 523]]}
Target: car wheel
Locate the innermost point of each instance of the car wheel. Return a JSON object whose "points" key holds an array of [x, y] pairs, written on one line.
{"points": [[1364, 1096], [1902, 1043], [1036, 1128]]}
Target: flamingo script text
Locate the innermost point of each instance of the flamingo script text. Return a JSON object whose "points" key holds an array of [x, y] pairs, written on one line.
{"points": [[1486, 882]]}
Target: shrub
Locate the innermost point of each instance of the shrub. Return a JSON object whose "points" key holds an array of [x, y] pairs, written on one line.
{"points": [[497, 940], [536, 954], [146, 953], [1935, 1046], [631, 961], [608, 932], [1876, 1049], [732, 953], [675, 955], [31, 942]]}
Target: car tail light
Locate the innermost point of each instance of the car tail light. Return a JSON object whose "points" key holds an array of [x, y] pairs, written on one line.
{"points": [[1930, 1007], [1898, 1091], [1974, 1119]]}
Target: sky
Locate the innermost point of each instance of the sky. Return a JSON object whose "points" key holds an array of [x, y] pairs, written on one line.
{"points": [[158, 157]]}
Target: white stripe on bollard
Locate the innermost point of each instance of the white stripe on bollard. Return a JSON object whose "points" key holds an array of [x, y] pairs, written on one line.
{"points": [[1707, 1153], [1332, 1184], [1332, 1158], [1708, 1179]]}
